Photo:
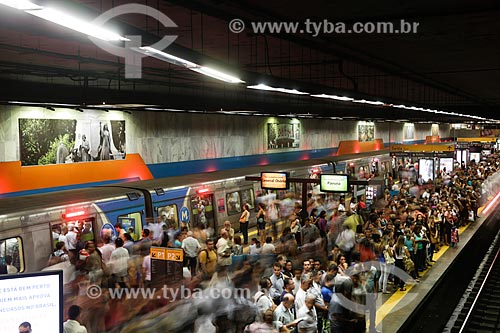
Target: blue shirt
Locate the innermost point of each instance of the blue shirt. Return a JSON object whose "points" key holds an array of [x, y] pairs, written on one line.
{"points": [[327, 294]]}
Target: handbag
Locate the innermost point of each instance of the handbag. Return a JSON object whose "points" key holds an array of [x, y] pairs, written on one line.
{"points": [[388, 259], [409, 264]]}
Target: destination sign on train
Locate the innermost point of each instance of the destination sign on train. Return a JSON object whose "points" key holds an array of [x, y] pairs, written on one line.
{"points": [[334, 183], [274, 180]]}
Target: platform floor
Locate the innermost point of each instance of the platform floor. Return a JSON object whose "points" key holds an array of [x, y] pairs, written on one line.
{"points": [[395, 308]]}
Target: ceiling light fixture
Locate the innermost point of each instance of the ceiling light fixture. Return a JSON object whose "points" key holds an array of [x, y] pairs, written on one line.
{"points": [[335, 97], [75, 23], [213, 73], [64, 19], [282, 90], [20, 4]]}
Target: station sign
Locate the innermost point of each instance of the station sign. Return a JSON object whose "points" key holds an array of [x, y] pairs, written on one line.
{"points": [[166, 265], [338, 183], [274, 180], [395, 148], [481, 139], [174, 255]]}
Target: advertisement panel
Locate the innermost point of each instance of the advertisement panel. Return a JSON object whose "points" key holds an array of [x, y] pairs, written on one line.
{"points": [[33, 299]]}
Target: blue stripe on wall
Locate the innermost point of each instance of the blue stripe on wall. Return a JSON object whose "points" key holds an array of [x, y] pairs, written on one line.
{"points": [[162, 170], [67, 187]]}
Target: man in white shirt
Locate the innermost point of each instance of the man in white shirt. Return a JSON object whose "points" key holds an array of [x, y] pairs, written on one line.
{"points": [[72, 325], [262, 298], [107, 248], [268, 247], [300, 296], [119, 263], [146, 271], [283, 316], [191, 247], [309, 322], [277, 282]]}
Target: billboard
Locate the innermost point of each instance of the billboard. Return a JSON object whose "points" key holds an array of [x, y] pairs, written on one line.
{"points": [[426, 169], [274, 180], [366, 132], [283, 135], [334, 183], [34, 298], [58, 141]]}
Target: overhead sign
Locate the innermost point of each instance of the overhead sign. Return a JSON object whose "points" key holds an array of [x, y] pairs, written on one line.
{"points": [[334, 183], [422, 148], [157, 253], [481, 139], [274, 180]]}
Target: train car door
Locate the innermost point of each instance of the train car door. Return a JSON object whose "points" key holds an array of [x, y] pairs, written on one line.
{"points": [[202, 211]]}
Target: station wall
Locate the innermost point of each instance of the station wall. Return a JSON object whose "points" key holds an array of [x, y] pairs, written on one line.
{"points": [[165, 137]]}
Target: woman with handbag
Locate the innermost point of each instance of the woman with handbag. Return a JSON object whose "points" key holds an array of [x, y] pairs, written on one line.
{"points": [[261, 222], [386, 262], [400, 252], [244, 218]]}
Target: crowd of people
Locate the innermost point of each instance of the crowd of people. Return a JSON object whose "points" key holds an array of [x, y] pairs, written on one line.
{"points": [[314, 269]]}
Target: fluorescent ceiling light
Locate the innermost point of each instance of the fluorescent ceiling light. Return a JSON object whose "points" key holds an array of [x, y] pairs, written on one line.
{"points": [[335, 97], [283, 90], [150, 51], [76, 24], [217, 74], [20, 4], [364, 101]]}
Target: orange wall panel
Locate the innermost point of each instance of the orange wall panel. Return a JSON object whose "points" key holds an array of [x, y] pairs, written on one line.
{"points": [[356, 147], [14, 177]]}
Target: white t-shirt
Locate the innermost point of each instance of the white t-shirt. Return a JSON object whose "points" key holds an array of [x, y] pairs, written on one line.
{"points": [[146, 265], [268, 248]]}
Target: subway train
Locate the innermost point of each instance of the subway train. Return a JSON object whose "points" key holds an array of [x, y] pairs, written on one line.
{"points": [[30, 225]]}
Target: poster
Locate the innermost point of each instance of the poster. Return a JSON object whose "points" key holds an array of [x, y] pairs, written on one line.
{"points": [[426, 169], [408, 132], [283, 135], [366, 132], [58, 141]]}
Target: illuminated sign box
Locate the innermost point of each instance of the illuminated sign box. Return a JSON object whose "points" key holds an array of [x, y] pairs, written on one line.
{"points": [[34, 298], [334, 183], [274, 180]]}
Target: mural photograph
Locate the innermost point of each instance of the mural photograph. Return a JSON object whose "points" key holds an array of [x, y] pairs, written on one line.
{"points": [[58, 141], [366, 132], [283, 135]]}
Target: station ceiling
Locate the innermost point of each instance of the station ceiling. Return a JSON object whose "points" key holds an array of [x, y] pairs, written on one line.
{"points": [[449, 64]]}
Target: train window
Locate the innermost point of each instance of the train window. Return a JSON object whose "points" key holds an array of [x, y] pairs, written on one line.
{"points": [[233, 203], [11, 254], [134, 221], [247, 197], [168, 214]]}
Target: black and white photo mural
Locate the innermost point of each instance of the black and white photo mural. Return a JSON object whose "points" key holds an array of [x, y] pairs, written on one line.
{"points": [[283, 135], [57, 141]]}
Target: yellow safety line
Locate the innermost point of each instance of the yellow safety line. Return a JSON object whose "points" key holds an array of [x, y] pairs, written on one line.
{"points": [[387, 307]]}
